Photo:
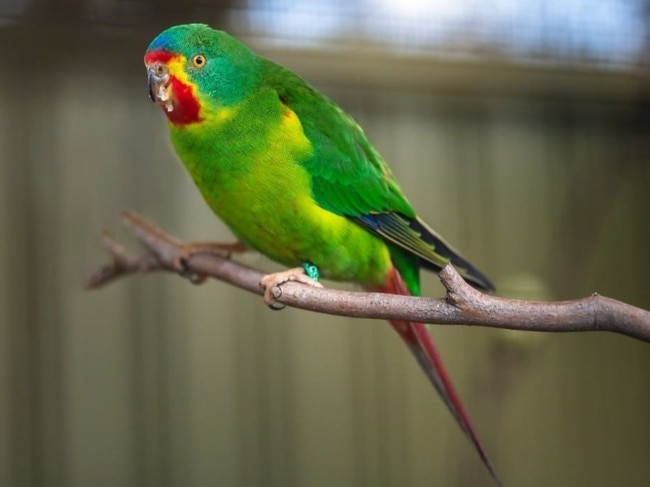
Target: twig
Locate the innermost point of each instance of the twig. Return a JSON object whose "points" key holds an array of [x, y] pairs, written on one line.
{"points": [[462, 305]]}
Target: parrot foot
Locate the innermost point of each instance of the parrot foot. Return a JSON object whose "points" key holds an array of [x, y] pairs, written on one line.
{"points": [[186, 251], [271, 284]]}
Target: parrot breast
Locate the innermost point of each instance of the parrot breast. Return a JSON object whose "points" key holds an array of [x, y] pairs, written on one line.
{"points": [[247, 164]]}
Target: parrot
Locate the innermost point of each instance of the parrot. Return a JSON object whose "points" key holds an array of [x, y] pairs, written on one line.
{"points": [[296, 179]]}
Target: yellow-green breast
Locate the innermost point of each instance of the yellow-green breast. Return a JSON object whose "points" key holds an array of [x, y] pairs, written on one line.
{"points": [[246, 161]]}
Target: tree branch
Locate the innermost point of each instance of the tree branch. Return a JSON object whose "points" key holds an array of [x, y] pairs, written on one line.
{"points": [[462, 305]]}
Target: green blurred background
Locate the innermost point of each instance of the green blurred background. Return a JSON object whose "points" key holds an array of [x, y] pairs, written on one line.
{"points": [[518, 129]]}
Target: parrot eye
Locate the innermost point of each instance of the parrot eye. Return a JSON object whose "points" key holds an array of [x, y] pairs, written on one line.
{"points": [[198, 60]]}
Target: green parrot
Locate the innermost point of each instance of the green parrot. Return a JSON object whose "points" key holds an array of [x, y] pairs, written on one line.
{"points": [[296, 179]]}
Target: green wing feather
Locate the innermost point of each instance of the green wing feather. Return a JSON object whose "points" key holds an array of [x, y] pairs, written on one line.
{"points": [[350, 178]]}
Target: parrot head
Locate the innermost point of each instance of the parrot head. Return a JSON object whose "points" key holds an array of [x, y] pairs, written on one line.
{"points": [[194, 69]]}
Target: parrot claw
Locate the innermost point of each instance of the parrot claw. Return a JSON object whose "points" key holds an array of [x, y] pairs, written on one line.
{"points": [[187, 251], [271, 284]]}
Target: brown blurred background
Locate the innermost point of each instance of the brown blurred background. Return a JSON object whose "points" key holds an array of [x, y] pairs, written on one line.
{"points": [[519, 131]]}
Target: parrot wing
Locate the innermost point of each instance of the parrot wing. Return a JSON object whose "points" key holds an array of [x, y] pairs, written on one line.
{"points": [[350, 178]]}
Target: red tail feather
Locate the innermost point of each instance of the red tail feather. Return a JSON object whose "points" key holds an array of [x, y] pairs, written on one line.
{"points": [[419, 340]]}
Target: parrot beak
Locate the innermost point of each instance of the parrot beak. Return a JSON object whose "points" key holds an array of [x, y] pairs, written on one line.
{"points": [[159, 92]]}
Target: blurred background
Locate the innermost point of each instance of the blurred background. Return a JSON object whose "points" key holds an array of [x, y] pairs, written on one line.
{"points": [[519, 129]]}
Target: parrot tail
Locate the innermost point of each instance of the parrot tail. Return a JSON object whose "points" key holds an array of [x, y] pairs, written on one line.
{"points": [[418, 339]]}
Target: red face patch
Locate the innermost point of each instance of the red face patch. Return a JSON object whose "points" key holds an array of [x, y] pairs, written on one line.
{"points": [[186, 107], [159, 56]]}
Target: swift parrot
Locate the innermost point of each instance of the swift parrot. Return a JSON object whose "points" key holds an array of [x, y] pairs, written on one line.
{"points": [[296, 179]]}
